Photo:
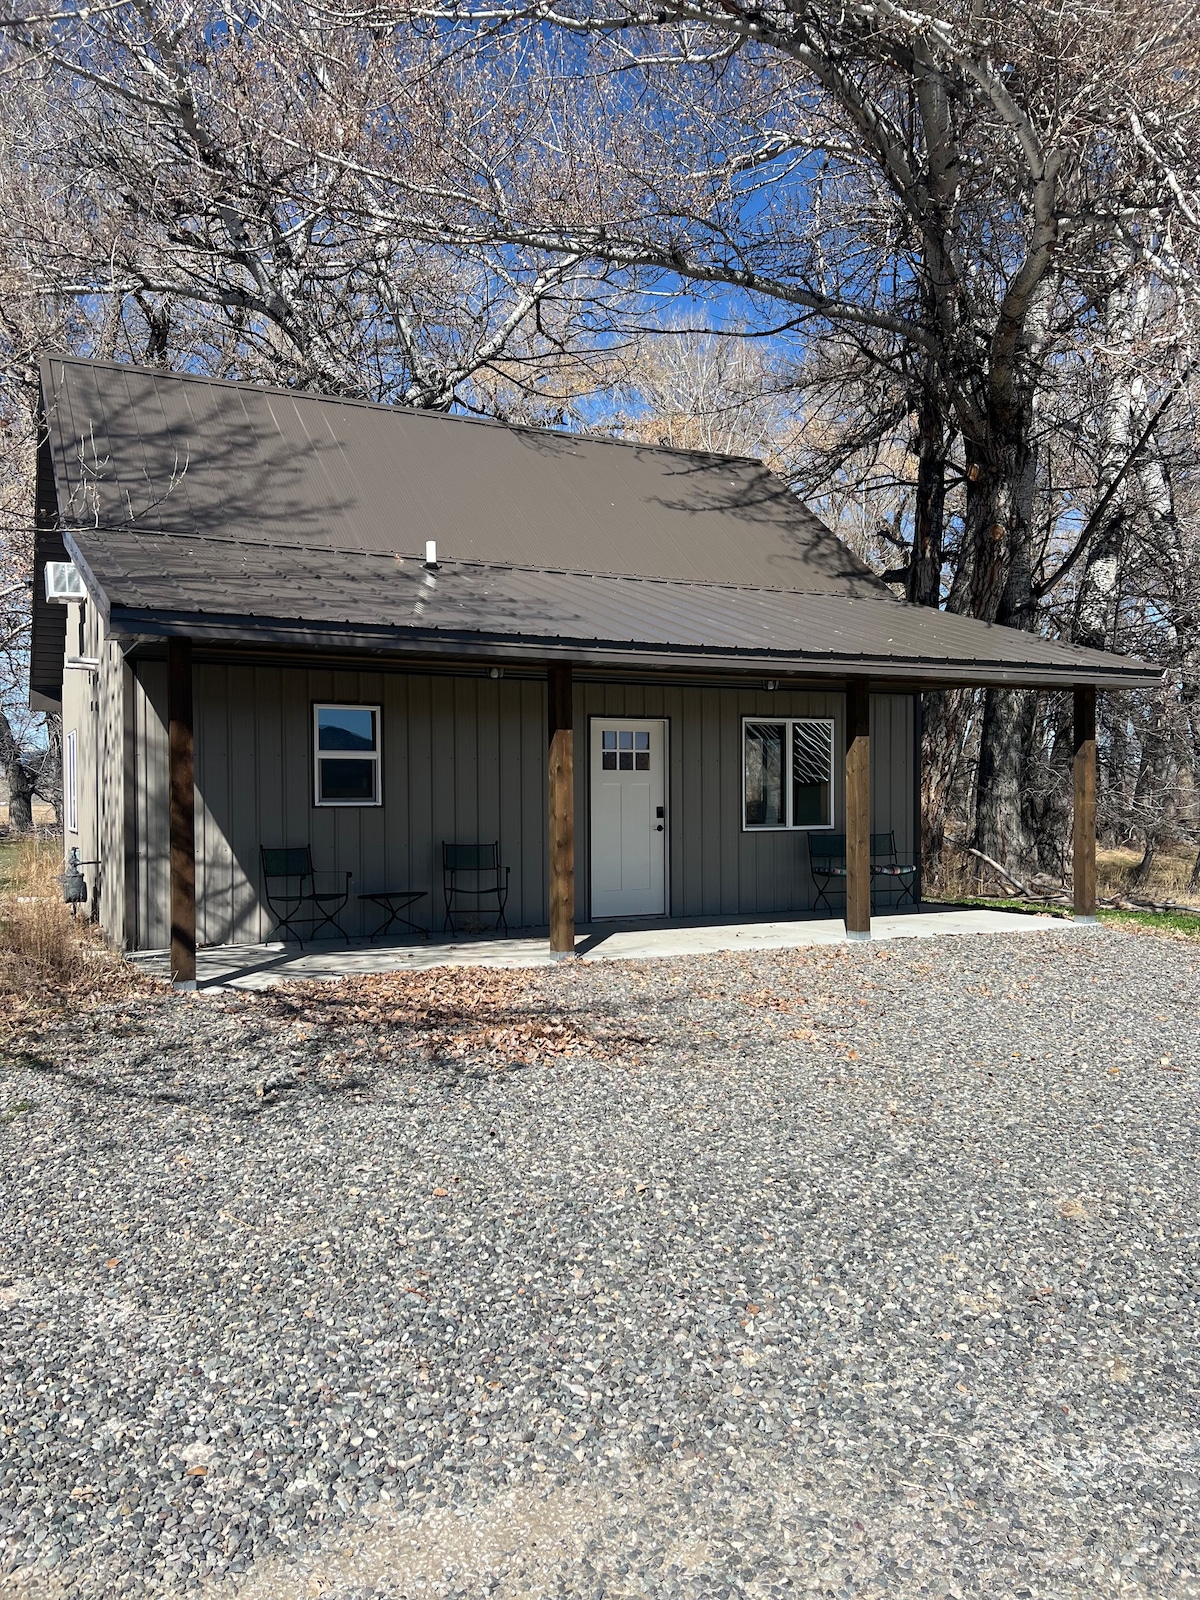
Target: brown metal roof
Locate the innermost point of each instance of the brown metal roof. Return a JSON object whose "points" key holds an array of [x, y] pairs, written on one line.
{"points": [[242, 592], [183, 454], [247, 515]]}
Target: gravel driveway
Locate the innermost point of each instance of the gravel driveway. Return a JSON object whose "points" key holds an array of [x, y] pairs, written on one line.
{"points": [[851, 1272]]}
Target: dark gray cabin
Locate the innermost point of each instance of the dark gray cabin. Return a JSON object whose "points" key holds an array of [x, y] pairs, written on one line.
{"points": [[649, 674]]}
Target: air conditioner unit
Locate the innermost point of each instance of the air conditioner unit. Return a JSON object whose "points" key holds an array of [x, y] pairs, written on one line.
{"points": [[63, 582]]}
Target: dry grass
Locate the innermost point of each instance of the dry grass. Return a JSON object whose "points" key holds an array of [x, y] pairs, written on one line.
{"points": [[1168, 878], [962, 877], [43, 815], [46, 958]]}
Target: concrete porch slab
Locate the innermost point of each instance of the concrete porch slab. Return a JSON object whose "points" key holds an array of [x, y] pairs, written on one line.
{"points": [[260, 966]]}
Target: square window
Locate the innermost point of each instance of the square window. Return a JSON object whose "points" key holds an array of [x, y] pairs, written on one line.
{"points": [[625, 740], [641, 741], [608, 760], [787, 769], [641, 760], [346, 755], [626, 760], [608, 739]]}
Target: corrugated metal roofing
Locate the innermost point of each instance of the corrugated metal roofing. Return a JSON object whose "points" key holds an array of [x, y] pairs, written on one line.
{"points": [[244, 514], [211, 582], [195, 455]]}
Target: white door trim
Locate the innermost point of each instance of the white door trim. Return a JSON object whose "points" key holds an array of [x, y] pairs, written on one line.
{"points": [[636, 723]]}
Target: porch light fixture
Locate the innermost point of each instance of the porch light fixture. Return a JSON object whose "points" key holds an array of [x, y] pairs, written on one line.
{"points": [[431, 560], [495, 672], [771, 683]]}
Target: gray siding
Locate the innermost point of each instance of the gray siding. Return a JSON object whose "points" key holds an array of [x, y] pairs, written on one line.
{"points": [[93, 707], [716, 867], [147, 805], [463, 758], [111, 689]]}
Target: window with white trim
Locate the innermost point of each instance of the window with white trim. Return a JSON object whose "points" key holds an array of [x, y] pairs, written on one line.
{"points": [[346, 768], [71, 781], [787, 772]]}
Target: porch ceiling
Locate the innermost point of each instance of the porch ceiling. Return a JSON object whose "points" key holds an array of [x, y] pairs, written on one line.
{"points": [[241, 592]]}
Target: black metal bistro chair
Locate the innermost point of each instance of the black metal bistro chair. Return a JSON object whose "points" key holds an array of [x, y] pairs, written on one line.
{"points": [[295, 892], [885, 863], [473, 872], [827, 863]]}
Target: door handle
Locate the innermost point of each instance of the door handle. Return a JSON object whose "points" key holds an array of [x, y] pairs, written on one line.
{"points": [[659, 829]]}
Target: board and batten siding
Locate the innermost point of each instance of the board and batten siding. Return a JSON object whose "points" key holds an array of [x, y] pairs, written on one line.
{"points": [[464, 759], [96, 683], [717, 868]]}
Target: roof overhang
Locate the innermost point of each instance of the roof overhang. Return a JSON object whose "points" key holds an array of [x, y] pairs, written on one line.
{"points": [[415, 645]]}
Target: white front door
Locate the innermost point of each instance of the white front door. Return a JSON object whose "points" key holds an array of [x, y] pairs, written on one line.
{"points": [[629, 816]]}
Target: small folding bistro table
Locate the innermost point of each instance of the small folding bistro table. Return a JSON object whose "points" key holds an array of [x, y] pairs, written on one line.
{"points": [[394, 902]]}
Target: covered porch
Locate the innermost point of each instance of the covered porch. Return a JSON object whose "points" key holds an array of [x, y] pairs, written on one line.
{"points": [[567, 789], [567, 934], [261, 966]]}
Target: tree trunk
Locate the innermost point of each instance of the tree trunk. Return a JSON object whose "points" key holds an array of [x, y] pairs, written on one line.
{"points": [[925, 567], [1001, 590], [945, 717], [1048, 782], [1142, 871], [21, 780], [1000, 820], [49, 781]]}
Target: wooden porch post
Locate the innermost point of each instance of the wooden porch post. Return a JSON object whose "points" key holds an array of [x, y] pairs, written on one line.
{"points": [[562, 811], [1084, 873], [182, 791], [858, 811]]}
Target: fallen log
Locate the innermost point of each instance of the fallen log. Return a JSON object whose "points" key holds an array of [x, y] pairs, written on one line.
{"points": [[996, 867]]}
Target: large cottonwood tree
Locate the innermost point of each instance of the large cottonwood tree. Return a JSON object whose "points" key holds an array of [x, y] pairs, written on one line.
{"points": [[972, 197], [972, 226]]}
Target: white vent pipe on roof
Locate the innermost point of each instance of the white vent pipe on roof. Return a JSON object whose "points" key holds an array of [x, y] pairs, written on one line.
{"points": [[431, 559]]}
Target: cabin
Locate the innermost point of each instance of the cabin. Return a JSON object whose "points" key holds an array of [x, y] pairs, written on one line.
{"points": [[273, 619]]}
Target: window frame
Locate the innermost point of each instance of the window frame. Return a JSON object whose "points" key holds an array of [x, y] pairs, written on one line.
{"points": [[318, 755], [777, 720], [71, 781]]}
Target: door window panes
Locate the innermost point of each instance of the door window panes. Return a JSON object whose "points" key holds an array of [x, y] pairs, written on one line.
{"points": [[624, 750]]}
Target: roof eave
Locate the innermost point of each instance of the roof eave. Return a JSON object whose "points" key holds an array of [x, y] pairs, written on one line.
{"points": [[912, 672]]}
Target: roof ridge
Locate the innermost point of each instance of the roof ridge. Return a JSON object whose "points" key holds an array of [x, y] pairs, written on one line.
{"points": [[401, 410], [493, 566]]}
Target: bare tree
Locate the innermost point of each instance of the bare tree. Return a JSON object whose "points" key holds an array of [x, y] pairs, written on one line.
{"points": [[166, 164], [956, 192], [963, 239]]}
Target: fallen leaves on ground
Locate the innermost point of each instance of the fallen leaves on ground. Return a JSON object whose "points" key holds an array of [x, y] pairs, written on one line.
{"points": [[452, 1013]]}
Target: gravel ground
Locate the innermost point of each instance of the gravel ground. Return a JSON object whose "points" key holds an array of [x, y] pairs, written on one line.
{"points": [[850, 1272]]}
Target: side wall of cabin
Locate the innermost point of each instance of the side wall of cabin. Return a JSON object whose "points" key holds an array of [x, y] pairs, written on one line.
{"points": [[97, 705]]}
